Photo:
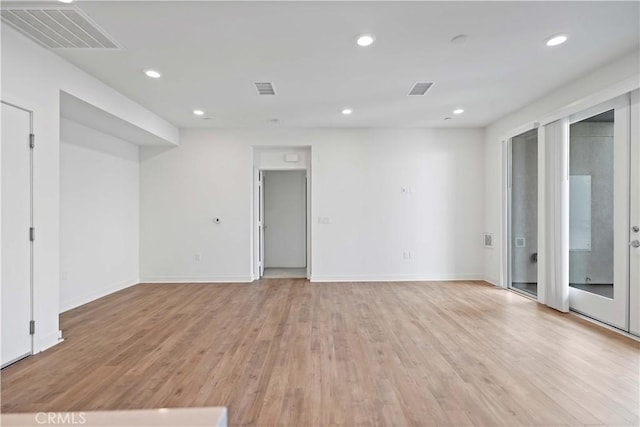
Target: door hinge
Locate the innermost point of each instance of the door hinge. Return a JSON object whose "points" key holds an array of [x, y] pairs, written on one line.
{"points": [[32, 234], [32, 327], [32, 140]]}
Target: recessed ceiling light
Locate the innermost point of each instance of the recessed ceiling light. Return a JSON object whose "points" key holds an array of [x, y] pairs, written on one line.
{"points": [[347, 111], [458, 111], [556, 40], [153, 74], [198, 112], [365, 40], [65, 1]]}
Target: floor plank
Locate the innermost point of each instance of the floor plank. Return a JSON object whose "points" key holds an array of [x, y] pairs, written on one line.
{"points": [[288, 352]]}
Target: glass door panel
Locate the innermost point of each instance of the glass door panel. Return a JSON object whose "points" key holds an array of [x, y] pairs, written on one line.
{"points": [[598, 212], [524, 213]]}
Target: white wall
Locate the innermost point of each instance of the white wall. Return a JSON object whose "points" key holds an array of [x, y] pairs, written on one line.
{"points": [[357, 176], [620, 71], [33, 77], [99, 218], [285, 219]]}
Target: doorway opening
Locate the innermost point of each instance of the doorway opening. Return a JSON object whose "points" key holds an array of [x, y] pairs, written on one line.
{"points": [[523, 213], [284, 211]]}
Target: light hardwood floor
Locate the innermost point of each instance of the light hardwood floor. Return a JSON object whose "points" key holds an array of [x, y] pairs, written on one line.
{"points": [[287, 352]]}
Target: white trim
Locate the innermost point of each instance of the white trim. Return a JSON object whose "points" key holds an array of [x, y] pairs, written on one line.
{"points": [[492, 280], [611, 92], [625, 86], [196, 279], [48, 341], [604, 325], [542, 218], [398, 278], [107, 290], [520, 130], [505, 215]]}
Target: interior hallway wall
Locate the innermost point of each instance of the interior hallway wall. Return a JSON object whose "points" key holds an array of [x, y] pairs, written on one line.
{"points": [[99, 215]]}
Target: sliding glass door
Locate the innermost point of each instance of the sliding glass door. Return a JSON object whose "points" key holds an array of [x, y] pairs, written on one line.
{"points": [[599, 190], [523, 215]]}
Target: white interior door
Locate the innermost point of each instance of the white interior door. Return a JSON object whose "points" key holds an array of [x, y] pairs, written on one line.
{"points": [[15, 156], [634, 229], [599, 192]]}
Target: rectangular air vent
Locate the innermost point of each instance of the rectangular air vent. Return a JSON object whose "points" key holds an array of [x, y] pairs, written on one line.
{"points": [[265, 88], [420, 88], [57, 27]]}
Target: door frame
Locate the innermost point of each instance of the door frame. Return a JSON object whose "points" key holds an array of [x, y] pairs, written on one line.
{"points": [[614, 312], [634, 213], [258, 217], [508, 210], [31, 224]]}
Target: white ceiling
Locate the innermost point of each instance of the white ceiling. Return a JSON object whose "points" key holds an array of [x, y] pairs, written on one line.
{"points": [[210, 53]]}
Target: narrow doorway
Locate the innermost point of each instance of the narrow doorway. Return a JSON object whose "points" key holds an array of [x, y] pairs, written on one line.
{"points": [[285, 223], [523, 213]]}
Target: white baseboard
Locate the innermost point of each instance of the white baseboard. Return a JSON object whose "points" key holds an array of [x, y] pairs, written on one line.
{"points": [[196, 279], [492, 280], [48, 341], [84, 299], [396, 278]]}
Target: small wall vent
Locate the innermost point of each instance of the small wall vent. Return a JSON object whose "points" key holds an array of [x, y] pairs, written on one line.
{"points": [[420, 88], [57, 27], [265, 88]]}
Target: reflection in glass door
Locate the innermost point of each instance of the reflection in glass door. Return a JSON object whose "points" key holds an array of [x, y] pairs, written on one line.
{"points": [[598, 212], [523, 224], [591, 204]]}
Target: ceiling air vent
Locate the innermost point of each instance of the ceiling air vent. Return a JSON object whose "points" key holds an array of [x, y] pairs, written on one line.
{"points": [[420, 88], [57, 27], [265, 88]]}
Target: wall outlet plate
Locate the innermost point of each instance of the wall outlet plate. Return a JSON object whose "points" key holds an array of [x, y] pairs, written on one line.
{"points": [[488, 240], [520, 242]]}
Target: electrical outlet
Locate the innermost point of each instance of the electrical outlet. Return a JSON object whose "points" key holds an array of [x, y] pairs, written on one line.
{"points": [[196, 257], [65, 275], [407, 255]]}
